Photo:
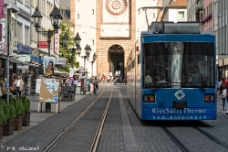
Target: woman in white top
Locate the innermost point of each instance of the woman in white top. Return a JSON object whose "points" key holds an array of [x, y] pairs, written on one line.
{"points": [[18, 85]]}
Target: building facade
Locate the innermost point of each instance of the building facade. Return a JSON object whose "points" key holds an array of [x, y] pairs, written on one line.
{"points": [[193, 9], [175, 12], [221, 7], [207, 22], [111, 29], [45, 8]]}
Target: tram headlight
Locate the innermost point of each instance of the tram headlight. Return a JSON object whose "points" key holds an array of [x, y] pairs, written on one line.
{"points": [[149, 98], [209, 98]]}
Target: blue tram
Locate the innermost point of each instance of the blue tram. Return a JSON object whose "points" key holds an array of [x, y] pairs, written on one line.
{"points": [[171, 73]]}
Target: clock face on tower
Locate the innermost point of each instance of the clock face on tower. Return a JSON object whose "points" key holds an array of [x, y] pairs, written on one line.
{"points": [[116, 7]]}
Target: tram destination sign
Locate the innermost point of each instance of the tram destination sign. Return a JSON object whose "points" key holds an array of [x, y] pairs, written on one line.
{"points": [[180, 113]]}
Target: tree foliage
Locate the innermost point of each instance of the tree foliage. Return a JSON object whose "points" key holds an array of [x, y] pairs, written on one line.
{"points": [[66, 51]]}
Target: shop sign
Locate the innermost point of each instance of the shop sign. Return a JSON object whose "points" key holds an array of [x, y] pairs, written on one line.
{"points": [[3, 49], [42, 44], [22, 67], [56, 43], [61, 61], [34, 61], [24, 58], [24, 48]]}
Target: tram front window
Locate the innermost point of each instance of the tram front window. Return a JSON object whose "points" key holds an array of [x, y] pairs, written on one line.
{"points": [[179, 64]]}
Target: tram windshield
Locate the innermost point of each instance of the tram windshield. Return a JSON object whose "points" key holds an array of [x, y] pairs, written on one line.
{"points": [[179, 64]]}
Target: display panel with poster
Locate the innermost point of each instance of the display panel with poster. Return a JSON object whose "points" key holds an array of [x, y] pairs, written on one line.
{"points": [[49, 64], [49, 90]]}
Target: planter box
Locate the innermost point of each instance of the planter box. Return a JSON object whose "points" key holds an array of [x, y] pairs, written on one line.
{"points": [[8, 128], [26, 119], [1, 131], [18, 123]]}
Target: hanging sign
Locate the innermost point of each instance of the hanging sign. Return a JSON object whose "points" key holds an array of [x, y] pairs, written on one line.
{"points": [[56, 43], [61, 61], [24, 58], [42, 44], [22, 67]]}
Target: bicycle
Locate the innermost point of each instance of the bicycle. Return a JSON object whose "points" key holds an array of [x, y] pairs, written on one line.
{"points": [[70, 95]]}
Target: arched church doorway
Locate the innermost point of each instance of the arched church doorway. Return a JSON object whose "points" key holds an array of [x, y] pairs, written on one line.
{"points": [[116, 60]]}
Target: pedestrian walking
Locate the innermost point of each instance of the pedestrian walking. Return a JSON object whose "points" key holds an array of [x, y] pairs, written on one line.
{"points": [[4, 89], [121, 79], [218, 85], [19, 85], [125, 80], [103, 78], [108, 80], [114, 79], [95, 85], [226, 86], [223, 92]]}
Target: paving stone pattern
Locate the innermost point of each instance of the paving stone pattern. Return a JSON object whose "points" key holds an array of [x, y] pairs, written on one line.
{"points": [[44, 133], [112, 134], [218, 127], [194, 140], [81, 135], [150, 138]]}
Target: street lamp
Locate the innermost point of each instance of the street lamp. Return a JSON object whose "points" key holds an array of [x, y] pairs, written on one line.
{"points": [[87, 53], [77, 41], [93, 60], [56, 18]]}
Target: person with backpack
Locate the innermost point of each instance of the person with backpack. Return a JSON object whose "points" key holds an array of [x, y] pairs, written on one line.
{"points": [[95, 85]]}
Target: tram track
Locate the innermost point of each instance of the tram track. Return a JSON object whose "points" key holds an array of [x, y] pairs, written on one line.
{"points": [[175, 140], [74, 122], [211, 137], [182, 144], [99, 130]]}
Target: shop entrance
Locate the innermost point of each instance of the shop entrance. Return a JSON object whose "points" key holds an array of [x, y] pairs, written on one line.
{"points": [[116, 60]]}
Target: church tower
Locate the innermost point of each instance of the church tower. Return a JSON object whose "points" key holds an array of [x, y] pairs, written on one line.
{"points": [[116, 20]]}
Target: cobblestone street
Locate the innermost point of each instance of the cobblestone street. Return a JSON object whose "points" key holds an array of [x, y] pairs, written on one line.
{"points": [[139, 135]]}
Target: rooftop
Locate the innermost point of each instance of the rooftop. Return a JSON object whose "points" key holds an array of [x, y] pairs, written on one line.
{"points": [[178, 3]]}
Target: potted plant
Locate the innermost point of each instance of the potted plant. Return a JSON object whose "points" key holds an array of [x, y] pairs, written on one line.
{"points": [[10, 112], [3, 118], [26, 116], [19, 112]]}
